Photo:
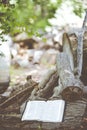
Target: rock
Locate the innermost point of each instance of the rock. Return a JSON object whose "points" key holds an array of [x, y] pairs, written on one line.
{"points": [[37, 56], [30, 53], [21, 36], [5, 61], [49, 57]]}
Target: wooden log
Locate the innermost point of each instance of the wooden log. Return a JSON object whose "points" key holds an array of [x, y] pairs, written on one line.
{"points": [[14, 108], [16, 97], [78, 40], [46, 78], [10, 121], [78, 52], [71, 86], [74, 44], [46, 86], [85, 21], [57, 91], [73, 119], [67, 48], [80, 34], [47, 91]]}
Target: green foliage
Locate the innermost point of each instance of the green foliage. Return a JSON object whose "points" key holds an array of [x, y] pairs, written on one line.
{"points": [[30, 16], [78, 7]]}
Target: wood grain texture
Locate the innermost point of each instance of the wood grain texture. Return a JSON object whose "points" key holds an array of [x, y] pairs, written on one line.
{"points": [[71, 86]]}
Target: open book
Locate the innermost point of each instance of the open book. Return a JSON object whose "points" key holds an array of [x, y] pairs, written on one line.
{"points": [[44, 111]]}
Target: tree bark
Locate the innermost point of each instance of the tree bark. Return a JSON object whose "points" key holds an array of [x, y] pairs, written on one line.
{"points": [[73, 119], [17, 97], [47, 91], [74, 43], [67, 48], [71, 88]]}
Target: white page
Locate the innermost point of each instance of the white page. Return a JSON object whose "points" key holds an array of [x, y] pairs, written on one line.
{"points": [[33, 110], [53, 111], [50, 111]]}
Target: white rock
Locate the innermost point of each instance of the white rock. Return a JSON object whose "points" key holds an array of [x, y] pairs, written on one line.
{"points": [[5, 61], [37, 56]]}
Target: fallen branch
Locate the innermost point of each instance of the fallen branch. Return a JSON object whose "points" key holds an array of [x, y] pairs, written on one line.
{"points": [[71, 88], [47, 91], [17, 96]]}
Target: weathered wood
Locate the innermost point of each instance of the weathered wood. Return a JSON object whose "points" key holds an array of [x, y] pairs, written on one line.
{"points": [[33, 94], [14, 108], [46, 78], [67, 48], [77, 41], [85, 21], [71, 86], [79, 46], [74, 44], [73, 119], [47, 91], [57, 91], [80, 35], [80, 53], [17, 96]]}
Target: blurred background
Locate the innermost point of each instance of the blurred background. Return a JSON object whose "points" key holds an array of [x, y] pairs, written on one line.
{"points": [[31, 35]]}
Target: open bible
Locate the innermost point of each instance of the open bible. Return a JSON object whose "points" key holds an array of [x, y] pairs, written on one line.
{"points": [[44, 111]]}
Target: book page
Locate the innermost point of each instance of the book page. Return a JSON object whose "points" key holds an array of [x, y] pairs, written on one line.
{"points": [[53, 111], [50, 111], [33, 110]]}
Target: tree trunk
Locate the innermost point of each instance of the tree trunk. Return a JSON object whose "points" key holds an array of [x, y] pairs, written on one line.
{"points": [[74, 43], [73, 119], [71, 88]]}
